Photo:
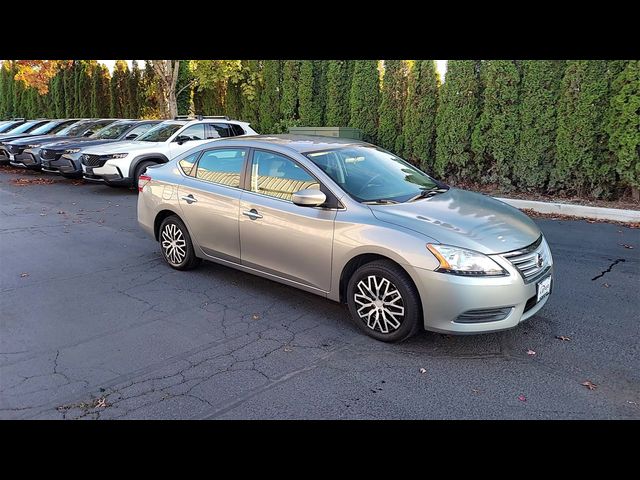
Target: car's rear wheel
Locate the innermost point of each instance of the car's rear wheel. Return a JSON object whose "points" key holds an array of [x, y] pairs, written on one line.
{"points": [[384, 302], [175, 244], [140, 169]]}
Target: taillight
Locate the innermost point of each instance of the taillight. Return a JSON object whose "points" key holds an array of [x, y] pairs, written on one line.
{"points": [[142, 181]]}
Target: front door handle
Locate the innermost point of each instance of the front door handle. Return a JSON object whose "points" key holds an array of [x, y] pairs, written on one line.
{"points": [[252, 214], [189, 199]]}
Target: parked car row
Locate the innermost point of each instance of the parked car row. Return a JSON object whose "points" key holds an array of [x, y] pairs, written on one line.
{"points": [[107, 150]]}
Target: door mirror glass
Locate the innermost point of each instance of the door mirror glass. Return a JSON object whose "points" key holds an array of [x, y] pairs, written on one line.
{"points": [[309, 197]]}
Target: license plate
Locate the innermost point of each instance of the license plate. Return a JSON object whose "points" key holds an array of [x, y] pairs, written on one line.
{"points": [[544, 288]]}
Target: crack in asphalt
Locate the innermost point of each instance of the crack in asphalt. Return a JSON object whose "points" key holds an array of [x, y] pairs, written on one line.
{"points": [[620, 260]]}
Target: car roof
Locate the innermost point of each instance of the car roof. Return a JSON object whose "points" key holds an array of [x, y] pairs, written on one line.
{"points": [[300, 143]]}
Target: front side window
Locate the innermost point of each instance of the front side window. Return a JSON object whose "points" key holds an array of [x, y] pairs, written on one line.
{"points": [[222, 166], [160, 133], [369, 174], [278, 176], [194, 132]]}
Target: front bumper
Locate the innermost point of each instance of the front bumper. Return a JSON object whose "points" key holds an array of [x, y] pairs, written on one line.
{"points": [[446, 297], [107, 173], [5, 156], [28, 158], [65, 164]]}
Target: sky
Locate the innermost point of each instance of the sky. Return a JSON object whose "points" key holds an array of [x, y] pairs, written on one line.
{"points": [[441, 64]]}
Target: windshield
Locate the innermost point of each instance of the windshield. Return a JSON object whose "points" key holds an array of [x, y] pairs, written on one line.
{"points": [[76, 129], [161, 133], [113, 131], [370, 174], [49, 127], [8, 127], [24, 127]]}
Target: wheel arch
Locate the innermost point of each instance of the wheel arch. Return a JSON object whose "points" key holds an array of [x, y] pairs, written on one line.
{"points": [[158, 158], [160, 217]]}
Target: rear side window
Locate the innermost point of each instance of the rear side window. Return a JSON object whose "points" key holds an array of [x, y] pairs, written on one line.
{"points": [[236, 129], [218, 130], [222, 166], [187, 164]]}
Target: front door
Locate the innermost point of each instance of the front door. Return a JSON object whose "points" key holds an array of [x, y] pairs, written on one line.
{"points": [[279, 237], [187, 139], [210, 200]]}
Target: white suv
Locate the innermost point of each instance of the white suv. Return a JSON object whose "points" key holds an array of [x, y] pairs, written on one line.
{"points": [[121, 163]]}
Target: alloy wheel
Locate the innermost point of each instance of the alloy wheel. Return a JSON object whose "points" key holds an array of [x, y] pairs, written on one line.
{"points": [[380, 305], [174, 245]]}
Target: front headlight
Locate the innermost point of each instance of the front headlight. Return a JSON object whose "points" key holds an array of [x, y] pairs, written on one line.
{"points": [[459, 261], [72, 150], [117, 155], [34, 145]]}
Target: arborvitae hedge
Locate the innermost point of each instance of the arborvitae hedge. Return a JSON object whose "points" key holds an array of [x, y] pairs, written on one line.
{"points": [[581, 112], [495, 136], [536, 150], [364, 98], [184, 97], [339, 73], [135, 79], [289, 90], [270, 98], [623, 125], [393, 99], [419, 125], [456, 117], [233, 100], [311, 93]]}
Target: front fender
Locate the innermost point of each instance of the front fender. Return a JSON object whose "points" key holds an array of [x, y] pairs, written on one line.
{"points": [[156, 157]]}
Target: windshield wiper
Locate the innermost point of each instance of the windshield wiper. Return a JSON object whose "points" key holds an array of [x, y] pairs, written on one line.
{"points": [[379, 201], [428, 193]]}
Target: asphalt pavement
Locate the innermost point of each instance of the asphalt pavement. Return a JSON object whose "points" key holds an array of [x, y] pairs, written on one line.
{"points": [[93, 324]]}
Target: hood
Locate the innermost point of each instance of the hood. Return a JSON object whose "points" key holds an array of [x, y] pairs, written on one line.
{"points": [[78, 143], [40, 139], [123, 147], [464, 219], [7, 137]]}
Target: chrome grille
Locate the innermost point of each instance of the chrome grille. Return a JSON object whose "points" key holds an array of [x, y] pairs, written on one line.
{"points": [[531, 261], [93, 160], [48, 154]]}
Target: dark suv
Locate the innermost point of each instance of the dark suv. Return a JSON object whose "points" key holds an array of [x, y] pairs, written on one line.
{"points": [[50, 127], [64, 157], [26, 151]]}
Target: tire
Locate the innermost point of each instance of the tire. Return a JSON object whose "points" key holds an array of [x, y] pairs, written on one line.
{"points": [[383, 280], [140, 168], [173, 228]]}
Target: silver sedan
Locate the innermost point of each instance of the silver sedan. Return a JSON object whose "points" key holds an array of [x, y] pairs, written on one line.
{"points": [[354, 223]]}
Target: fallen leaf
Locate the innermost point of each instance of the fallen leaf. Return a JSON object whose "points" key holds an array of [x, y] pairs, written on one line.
{"points": [[25, 274], [530, 352], [256, 316], [522, 398], [102, 402], [563, 338], [606, 285], [42, 214], [589, 385], [475, 390], [287, 349], [626, 245], [423, 370]]}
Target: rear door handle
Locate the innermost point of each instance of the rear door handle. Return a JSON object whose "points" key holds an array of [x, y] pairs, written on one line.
{"points": [[252, 214], [189, 199]]}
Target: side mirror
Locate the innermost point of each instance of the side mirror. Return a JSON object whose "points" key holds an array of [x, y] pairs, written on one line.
{"points": [[88, 134], [182, 139], [309, 197], [131, 136]]}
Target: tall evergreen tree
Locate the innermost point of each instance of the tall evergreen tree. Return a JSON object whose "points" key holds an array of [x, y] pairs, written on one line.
{"points": [[583, 98], [135, 79], [270, 98], [151, 107], [393, 99], [19, 99], [536, 149], [56, 94], [623, 126], [419, 125], [69, 83], [251, 90], [100, 104], [82, 89], [289, 94], [4, 85], [495, 137], [183, 87], [233, 100], [364, 98], [120, 93], [312, 93], [339, 74], [455, 119]]}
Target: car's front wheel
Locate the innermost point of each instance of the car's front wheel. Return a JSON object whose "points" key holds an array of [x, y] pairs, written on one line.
{"points": [[384, 302], [175, 244]]}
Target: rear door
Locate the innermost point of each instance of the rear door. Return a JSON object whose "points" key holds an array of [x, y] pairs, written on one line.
{"points": [[209, 197]]}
